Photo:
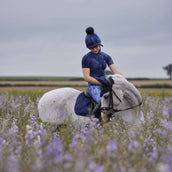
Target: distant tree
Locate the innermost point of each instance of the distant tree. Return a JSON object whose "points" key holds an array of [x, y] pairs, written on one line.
{"points": [[168, 68]]}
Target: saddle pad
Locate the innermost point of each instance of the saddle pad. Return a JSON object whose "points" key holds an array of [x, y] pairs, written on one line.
{"points": [[83, 105]]}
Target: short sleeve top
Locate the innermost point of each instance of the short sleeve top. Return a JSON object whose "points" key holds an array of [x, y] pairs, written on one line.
{"points": [[97, 63]]}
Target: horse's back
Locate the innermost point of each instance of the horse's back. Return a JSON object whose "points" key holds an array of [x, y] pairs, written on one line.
{"points": [[55, 105]]}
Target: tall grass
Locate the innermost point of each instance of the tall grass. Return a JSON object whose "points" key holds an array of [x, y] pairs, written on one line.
{"points": [[27, 144]]}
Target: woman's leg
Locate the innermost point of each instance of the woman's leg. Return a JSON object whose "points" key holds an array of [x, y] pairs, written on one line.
{"points": [[94, 91]]}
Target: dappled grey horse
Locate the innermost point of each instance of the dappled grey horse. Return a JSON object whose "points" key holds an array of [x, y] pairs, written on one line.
{"points": [[124, 100]]}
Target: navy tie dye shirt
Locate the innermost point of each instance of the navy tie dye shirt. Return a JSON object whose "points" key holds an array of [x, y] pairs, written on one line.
{"points": [[97, 63]]}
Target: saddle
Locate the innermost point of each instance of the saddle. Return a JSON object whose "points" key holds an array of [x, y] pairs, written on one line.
{"points": [[85, 104]]}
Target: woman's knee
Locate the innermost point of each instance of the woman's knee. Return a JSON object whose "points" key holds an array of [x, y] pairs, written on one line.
{"points": [[95, 93]]}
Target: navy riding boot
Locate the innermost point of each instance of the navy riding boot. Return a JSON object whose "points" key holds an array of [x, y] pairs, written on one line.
{"points": [[96, 110]]}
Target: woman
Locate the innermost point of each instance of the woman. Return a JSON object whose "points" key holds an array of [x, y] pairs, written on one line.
{"points": [[94, 64]]}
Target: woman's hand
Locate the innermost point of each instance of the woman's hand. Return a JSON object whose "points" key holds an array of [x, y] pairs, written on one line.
{"points": [[88, 78]]}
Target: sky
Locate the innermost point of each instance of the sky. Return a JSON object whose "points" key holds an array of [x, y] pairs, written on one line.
{"points": [[47, 37]]}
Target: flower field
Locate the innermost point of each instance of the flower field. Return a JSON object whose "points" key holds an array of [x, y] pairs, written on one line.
{"points": [[27, 144]]}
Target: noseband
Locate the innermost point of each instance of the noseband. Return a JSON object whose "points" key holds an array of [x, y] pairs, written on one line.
{"points": [[111, 108]]}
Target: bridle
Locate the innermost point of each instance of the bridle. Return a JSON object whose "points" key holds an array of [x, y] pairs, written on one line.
{"points": [[110, 108]]}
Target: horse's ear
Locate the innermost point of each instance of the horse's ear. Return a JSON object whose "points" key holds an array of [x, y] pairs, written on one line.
{"points": [[111, 81]]}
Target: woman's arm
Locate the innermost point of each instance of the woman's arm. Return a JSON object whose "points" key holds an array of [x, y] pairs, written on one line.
{"points": [[88, 78]]}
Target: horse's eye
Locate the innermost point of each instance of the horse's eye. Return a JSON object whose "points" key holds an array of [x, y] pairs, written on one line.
{"points": [[106, 96]]}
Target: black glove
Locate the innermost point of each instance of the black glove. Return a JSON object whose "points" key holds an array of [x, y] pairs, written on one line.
{"points": [[106, 84]]}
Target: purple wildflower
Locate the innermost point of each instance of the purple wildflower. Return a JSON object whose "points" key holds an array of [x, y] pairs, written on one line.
{"points": [[68, 158], [153, 156], [142, 170], [149, 143], [170, 111], [1, 139], [116, 167], [29, 139], [112, 146], [166, 125], [165, 111], [93, 167], [160, 133], [167, 156], [13, 164], [73, 144], [95, 120], [39, 132], [14, 105], [133, 144], [54, 151]]}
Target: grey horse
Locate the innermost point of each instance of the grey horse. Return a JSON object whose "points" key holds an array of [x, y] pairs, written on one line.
{"points": [[57, 106]]}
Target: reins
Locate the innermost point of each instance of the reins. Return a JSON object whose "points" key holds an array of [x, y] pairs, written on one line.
{"points": [[111, 108]]}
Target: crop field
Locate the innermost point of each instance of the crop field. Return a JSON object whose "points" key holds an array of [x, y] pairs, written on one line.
{"points": [[27, 144], [30, 145], [46, 85]]}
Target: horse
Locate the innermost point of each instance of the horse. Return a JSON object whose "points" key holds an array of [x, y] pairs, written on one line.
{"points": [[123, 99]]}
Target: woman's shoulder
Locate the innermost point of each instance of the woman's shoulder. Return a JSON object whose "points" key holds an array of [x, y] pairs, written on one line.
{"points": [[86, 56], [105, 55], [86, 60]]}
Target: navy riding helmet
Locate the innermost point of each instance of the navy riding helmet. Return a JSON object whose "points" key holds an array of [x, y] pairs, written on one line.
{"points": [[92, 39]]}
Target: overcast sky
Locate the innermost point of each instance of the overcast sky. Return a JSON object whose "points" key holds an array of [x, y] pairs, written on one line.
{"points": [[46, 37]]}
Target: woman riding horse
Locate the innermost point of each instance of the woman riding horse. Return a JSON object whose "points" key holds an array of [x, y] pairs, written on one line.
{"points": [[58, 106], [94, 64]]}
